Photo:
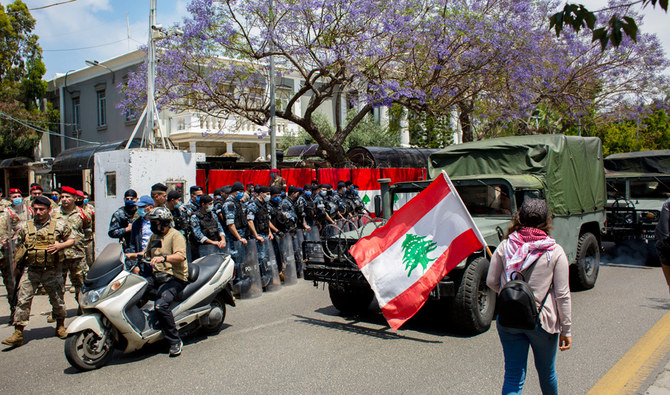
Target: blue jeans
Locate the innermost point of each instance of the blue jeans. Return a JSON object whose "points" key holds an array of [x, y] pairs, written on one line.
{"points": [[515, 344]]}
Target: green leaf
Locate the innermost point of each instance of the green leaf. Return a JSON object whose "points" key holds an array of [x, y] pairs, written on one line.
{"points": [[630, 27], [415, 252], [590, 18]]}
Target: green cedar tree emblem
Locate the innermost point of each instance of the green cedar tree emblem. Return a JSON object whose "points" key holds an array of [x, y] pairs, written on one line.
{"points": [[415, 251], [366, 199]]}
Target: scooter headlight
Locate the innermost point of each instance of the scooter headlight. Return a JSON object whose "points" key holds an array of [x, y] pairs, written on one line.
{"points": [[91, 297]]}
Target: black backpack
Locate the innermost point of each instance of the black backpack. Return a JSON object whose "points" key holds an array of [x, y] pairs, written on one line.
{"points": [[516, 303]]}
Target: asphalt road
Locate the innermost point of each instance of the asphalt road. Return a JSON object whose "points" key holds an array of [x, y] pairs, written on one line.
{"points": [[293, 341]]}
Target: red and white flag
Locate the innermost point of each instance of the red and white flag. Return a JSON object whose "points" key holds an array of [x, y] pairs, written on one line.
{"points": [[405, 259]]}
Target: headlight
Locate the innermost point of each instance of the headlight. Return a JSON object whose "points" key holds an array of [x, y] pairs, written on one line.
{"points": [[91, 297], [116, 285]]}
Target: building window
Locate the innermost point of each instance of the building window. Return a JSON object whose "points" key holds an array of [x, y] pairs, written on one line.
{"points": [[75, 115], [102, 109], [110, 184]]}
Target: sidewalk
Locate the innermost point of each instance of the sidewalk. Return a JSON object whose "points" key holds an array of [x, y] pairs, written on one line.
{"points": [[661, 385]]}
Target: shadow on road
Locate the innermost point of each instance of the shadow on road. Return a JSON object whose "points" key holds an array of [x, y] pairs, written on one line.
{"points": [[432, 319], [353, 327], [658, 303]]}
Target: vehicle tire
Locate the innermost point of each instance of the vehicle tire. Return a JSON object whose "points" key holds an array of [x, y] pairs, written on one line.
{"points": [[352, 300], [80, 350], [216, 316], [474, 303], [652, 254], [585, 270]]}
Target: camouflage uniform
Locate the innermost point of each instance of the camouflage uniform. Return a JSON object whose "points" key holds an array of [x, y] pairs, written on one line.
{"points": [[75, 256], [89, 229], [41, 268], [11, 221]]}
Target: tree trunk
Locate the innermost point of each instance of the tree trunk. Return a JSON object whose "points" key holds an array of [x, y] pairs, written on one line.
{"points": [[465, 110]]}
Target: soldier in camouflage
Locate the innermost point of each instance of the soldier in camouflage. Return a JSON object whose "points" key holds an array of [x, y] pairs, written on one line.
{"points": [[75, 256], [42, 241], [12, 219], [89, 231]]}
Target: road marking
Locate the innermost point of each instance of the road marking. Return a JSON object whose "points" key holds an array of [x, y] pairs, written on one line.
{"points": [[628, 375]]}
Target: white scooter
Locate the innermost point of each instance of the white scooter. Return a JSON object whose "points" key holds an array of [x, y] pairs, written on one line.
{"points": [[113, 317]]}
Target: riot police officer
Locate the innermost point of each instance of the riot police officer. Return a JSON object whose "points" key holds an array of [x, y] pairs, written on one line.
{"points": [[39, 258], [122, 219], [206, 231], [258, 217]]}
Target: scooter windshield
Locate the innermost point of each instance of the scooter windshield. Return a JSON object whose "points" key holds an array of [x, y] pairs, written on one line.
{"points": [[107, 266]]}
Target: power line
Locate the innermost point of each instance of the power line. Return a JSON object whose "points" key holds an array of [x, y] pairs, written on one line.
{"points": [[79, 49], [43, 7], [40, 130]]}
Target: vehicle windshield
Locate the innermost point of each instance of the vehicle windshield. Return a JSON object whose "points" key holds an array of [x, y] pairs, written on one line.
{"points": [[480, 199], [649, 189]]}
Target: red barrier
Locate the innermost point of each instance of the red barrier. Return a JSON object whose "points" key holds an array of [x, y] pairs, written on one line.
{"points": [[366, 179], [200, 179], [403, 174], [260, 177], [332, 176], [298, 177], [219, 178]]}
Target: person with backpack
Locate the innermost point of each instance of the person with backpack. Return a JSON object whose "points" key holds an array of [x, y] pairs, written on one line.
{"points": [[530, 273]]}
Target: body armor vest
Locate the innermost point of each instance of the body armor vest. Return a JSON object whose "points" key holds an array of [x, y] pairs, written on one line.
{"points": [[209, 225], [37, 243], [262, 219], [240, 218]]}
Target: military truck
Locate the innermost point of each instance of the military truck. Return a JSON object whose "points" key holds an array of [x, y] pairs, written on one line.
{"points": [[637, 185], [493, 177]]}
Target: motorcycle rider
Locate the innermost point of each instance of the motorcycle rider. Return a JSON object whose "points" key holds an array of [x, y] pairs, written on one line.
{"points": [[170, 271]]}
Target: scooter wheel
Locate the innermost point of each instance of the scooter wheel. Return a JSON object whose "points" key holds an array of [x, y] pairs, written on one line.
{"points": [[81, 350], [214, 320]]}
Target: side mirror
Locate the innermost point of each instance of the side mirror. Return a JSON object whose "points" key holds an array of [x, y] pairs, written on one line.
{"points": [[378, 206]]}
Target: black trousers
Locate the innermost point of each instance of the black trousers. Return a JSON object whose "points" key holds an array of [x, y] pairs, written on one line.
{"points": [[167, 293]]}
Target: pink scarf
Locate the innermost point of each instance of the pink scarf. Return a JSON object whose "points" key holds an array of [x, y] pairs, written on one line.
{"points": [[524, 247]]}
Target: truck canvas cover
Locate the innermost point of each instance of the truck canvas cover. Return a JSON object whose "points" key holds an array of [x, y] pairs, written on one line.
{"points": [[571, 167], [639, 162]]}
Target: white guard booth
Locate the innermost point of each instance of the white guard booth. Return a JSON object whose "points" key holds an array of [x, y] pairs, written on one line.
{"points": [[138, 169]]}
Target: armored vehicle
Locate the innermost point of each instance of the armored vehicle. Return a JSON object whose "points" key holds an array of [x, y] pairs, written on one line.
{"points": [[492, 177], [637, 185]]}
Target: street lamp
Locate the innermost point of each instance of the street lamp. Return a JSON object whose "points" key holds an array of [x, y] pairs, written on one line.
{"points": [[94, 63]]}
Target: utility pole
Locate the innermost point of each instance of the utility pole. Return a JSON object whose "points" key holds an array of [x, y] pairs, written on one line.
{"points": [[273, 110], [152, 129]]}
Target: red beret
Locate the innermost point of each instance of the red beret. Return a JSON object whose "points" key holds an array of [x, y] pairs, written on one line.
{"points": [[69, 191], [80, 193], [14, 190], [36, 187]]}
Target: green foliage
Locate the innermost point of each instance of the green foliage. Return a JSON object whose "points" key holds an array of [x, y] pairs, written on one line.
{"points": [[21, 84], [577, 17], [429, 131], [415, 252], [650, 133]]}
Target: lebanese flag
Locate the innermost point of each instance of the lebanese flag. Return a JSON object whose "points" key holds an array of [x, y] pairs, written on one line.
{"points": [[405, 259]]}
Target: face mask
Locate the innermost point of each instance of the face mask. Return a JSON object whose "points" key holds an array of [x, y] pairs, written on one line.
{"points": [[154, 229], [276, 200], [239, 195], [266, 198], [323, 193], [283, 195], [17, 201], [54, 198], [197, 199], [308, 193], [85, 201], [79, 202], [129, 203], [209, 208], [272, 175], [356, 191], [141, 212]]}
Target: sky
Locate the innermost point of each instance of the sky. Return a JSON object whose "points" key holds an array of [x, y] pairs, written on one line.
{"points": [[81, 30]]}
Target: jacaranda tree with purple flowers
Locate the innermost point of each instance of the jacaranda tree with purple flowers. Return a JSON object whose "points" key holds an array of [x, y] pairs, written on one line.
{"points": [[494, 63]]}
